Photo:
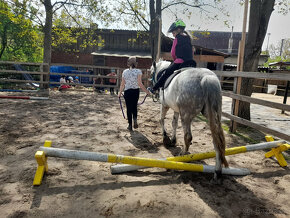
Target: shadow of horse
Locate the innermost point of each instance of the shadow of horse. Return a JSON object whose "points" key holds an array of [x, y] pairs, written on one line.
{"points": [[141, 142]]}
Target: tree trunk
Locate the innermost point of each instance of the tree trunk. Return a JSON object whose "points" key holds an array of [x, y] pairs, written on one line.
{"points": [[156, 27], [155, 19], [152, 29], [47, 40], [260, 12], [4, 40]]}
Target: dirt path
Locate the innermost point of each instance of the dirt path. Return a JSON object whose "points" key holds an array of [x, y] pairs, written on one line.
{"points": [[93, 122]]}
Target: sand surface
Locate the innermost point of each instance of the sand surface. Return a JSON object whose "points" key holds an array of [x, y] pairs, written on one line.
{"points": [[93, 122]]}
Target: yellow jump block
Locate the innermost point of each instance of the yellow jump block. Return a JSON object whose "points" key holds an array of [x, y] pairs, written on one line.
{"points": [[277, 152], [42, 167]]}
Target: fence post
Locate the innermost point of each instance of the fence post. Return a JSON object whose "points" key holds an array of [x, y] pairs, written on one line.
{"points": [[285, 95], [235, 102], [41, 85]]}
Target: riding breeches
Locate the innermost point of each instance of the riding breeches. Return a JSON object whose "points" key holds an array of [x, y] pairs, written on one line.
{"points": [[131, 98], [169, 71]]}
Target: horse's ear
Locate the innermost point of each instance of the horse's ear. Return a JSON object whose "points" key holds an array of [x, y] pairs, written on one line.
{"points": [[154, 64]]}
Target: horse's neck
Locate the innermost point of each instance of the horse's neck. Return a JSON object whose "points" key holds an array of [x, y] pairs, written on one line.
{"points": [[163, 65]]}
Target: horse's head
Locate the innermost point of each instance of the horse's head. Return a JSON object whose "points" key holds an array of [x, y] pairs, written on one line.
{"points": [[157, 67]]}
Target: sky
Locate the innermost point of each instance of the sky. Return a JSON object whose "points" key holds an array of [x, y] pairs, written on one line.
{"points": [[279, 25]]}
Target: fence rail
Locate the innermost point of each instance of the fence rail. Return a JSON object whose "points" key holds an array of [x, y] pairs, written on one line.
{"points": [[237, 97], [146, 76]]}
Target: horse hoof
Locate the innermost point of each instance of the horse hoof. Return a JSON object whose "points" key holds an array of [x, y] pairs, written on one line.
{"points": [[173, 142], [217, 178], [166, 141]]}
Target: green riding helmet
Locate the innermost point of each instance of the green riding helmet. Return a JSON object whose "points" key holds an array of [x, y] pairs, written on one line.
{"points": [[175, 25]]}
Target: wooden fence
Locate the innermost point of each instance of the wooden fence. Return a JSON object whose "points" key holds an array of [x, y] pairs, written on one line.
{"points": [[98, 72], [237, 97]]}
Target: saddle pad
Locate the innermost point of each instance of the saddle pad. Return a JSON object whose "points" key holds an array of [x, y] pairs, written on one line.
{"points": [[176, 72]]}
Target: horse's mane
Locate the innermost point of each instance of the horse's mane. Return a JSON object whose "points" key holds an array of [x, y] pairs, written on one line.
{"points": [[161, 64]]}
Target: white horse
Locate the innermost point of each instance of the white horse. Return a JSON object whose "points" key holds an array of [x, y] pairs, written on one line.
{"points": [[192, 91]]}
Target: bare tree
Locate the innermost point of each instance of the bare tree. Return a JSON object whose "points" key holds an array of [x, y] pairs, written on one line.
{"points": [[146, 14]]}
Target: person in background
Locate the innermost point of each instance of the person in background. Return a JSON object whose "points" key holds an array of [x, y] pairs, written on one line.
{"points": [[63, 84], [98, 81], [77, 79], [70, 79], [112, 81], [131, 81], [62, 80], [181, 52]]}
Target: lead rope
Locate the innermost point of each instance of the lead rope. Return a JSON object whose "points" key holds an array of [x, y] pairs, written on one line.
{"points": [[120, 102]]}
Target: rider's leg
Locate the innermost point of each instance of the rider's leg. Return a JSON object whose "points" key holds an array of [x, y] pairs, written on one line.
{"points": [[172, 67]]}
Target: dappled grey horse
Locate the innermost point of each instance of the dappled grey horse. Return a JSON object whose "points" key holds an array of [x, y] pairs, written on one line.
{"points": [[192, 91]]}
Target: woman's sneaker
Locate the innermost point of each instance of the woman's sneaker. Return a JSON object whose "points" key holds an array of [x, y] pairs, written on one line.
{"points": [[135, 124], [130, 127]]}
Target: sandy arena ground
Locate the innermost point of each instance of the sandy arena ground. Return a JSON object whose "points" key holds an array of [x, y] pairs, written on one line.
{"points": [[93, 122]]}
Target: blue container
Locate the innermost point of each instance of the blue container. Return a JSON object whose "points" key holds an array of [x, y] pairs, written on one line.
{"points": [[67, 69], [59, 69]]}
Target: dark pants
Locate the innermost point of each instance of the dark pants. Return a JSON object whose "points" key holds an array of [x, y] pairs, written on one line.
{"points": [[169, 71], [131, 98], [111, 88]]}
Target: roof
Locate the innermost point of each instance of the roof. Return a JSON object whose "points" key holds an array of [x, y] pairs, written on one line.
{"points": [[206, 51], [216, 40]]}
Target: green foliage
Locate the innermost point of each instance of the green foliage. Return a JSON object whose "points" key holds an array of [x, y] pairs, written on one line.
{"points": [[71, 34], [20, 39], [279, 52]]}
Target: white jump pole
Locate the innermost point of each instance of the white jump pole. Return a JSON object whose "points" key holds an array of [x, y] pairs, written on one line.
{"points": [[111, 158], [121, 168]]}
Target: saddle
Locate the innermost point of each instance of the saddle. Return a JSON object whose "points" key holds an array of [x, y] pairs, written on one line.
{"points": [[176, 72], [184, 66]]}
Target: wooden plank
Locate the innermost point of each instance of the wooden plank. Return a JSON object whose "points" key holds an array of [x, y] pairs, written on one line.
{"points": [[257, 126], [236, 102], [257, 101], [22, 81], [229, 82], [84, 75], [86, 84], [211, 58], [22, 63], [257, 75], [23, 72]]}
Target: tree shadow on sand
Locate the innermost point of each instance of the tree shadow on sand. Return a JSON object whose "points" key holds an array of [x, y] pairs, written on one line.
{"points": [[231, 199]]}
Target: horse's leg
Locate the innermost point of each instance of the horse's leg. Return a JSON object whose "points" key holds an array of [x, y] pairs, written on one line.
{"points": [[186, 124], [166, 139], [217, 178], [174, 127]]}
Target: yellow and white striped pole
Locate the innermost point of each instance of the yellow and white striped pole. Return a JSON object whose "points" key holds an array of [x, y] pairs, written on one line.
{"points": [[148, 162], [201, 156]]}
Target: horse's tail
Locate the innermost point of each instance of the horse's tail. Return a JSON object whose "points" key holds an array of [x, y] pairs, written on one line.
{"points": [[212, 89]]}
